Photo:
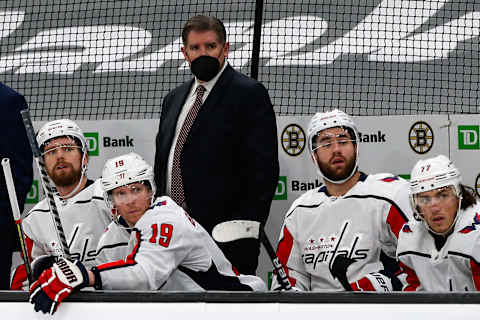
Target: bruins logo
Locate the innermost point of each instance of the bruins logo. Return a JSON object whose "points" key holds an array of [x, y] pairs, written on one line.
{"points": [[293, 140], [420, 137]]}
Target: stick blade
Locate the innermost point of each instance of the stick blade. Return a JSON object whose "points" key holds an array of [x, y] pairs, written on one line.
{"points": [[236, 229]]}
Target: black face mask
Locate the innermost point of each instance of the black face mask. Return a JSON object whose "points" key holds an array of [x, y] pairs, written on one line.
{"points": [[205, 68]]}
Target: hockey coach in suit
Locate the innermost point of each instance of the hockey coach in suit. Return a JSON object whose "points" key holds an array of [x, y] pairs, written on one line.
{"points": [[216, 147], [13, 145]]}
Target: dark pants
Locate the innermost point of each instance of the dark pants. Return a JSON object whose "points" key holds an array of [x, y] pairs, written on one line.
{"points": [[9, 239], [243, 254]]}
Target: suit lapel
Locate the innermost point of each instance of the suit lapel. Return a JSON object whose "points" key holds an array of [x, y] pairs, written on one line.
{"points": [[174, 112], [219, 89], [214, 98]]}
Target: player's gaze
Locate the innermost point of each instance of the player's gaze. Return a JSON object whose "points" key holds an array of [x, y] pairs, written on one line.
{"points": [[65, 148], [129, 193], [439, 196], [331, 142]]}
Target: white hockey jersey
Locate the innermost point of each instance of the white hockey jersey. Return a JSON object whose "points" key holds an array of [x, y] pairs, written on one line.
{"points": [[167, 250], [456, 267], [113, 244], [84, 218], [359, 225]]}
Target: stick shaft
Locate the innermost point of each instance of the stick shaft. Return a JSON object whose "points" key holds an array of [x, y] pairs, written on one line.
{"points": [[49, 189], [17, 216], [279, 268]]}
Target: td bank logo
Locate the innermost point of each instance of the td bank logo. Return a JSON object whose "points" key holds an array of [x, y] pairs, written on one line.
{"points": [[32, 196], [281, 192], [468, 138], [92, 143]]}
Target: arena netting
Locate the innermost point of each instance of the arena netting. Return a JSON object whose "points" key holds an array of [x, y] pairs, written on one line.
{"points": [[106, 59]]}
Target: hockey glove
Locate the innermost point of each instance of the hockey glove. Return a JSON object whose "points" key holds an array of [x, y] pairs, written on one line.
{"points": [[57, 283], [374, 281], [41, 264]]}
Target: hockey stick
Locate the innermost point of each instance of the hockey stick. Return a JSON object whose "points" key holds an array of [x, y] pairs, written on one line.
{"points": [[240, 229], [49, 189], [16, 215], [339, 264], [339, 270]]}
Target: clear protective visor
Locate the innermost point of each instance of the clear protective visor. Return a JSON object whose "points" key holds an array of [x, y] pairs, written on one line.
{"points": [[51, 147], [64, 148], [438, 196], [326, 141], [129, 193]]}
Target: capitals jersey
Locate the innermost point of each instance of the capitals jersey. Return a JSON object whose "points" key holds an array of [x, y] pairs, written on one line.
{"points": [[113, 244], [84, 218], [359, 225], [167, 250], [455, 267]]}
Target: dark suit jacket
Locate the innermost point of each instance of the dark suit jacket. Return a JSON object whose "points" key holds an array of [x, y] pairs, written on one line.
{"points": [[13, 145], [229, 162]]}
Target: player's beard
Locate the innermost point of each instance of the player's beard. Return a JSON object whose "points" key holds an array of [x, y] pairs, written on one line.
{"points": [[65, 179], [334, 175]]}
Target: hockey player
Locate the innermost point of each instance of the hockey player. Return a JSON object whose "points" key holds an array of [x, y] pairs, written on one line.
{"points": [[167, 249], [83, 213], [336, 237], [441, 251]]}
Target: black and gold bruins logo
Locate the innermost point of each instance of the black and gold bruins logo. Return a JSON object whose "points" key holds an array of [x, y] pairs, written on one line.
{"points": [[420, 137], [293, 139]]}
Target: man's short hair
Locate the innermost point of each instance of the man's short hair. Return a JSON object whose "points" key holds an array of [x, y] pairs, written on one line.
{"points": [[204, 23]]}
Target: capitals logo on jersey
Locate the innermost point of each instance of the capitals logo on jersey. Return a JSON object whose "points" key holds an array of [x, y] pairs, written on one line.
{"points": [[79, 248], [389, 179], [324, 248], [406, 228], [470, 228]]}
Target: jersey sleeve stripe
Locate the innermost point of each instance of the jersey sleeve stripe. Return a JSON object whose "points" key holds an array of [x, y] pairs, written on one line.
{"points": [[20, 273], [412, 280], [129, 261], [475, 273], [29, 244], [395, 220], [283, 251]]}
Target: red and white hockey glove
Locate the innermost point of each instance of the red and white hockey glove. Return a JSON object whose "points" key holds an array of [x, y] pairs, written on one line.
{"points": [[57, 283], [374, 281]]}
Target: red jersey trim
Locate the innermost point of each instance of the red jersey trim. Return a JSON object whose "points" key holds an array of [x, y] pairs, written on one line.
{"points": [[129, 261], [475, 274], [283, 252], [395, 220], [412, 279]]}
